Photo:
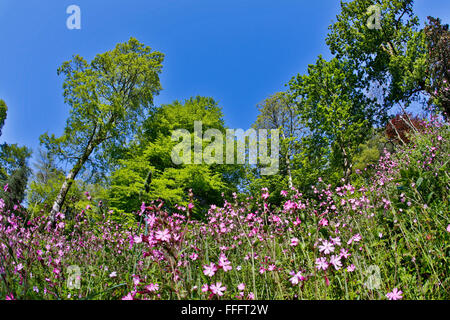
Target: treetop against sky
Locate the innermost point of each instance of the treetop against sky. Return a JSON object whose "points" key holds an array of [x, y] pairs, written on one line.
{"points": [[238, 52]]}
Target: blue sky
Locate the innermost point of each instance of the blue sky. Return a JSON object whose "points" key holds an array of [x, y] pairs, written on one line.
{"points": [[237, 51]]}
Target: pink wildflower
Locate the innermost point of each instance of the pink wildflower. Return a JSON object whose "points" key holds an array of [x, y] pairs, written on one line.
{"points": [[210, 270], [326, 247], [395, 294], [163, 235], [296, 277], [294, 242], [218, 289], [321, 263]]}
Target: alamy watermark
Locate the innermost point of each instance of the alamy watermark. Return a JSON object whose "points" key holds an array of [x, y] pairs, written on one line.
{"points": [[73, 277], [374, 20], [74, 20], [373, 277], [228, 149]]}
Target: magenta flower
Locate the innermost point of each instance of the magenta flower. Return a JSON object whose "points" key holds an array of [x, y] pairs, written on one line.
{"points": [[163, 236], [218, 289], [321, 263], [137, 239], [205, 288], [344, 253], [10, 297], [326, 247], [395, 294], [210, 270], [152, 287], [241, 286], [294, 242], [224, 263], [355, 238], [336, 261], [296, 277], [129, 296], [193, 256], [336, 241]]}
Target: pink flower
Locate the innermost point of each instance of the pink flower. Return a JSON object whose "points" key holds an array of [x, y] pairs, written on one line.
{"points": [[336, 261], [284, 193], [321, 263], [241, 286], [129, 296], [113, 274], [136, 280], [142, 208], [395, 294], [265, 195], [351, 268], [448, 228], [210, 270], [218, 289], [296, 277], [326, 247], [163, 236], [152, 287], [251, 296], [294, 242], [10, 297], [336, 241], [355, 238], [205, 288], [5, 188], [193, 256], [137, 239], [224, 263], [344, 253], [323, 222]]}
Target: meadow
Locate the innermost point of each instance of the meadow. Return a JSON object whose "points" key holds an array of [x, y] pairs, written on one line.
{"points": [[388, 238]]}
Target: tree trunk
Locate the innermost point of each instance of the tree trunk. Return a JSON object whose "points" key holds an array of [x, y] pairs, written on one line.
{"points": [[288, 167], [347, 166], [59, 201]]}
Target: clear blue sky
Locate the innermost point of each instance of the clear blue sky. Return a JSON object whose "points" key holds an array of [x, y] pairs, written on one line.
{"points": [[237, 51]]}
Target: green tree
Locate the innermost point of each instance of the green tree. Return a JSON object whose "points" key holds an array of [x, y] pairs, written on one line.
{"points": [[14, 171], [108, 98], [45, 184], [337, 114], [438, 41], [393, 57], [280, 112], [3, 112], [151, 152]]}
